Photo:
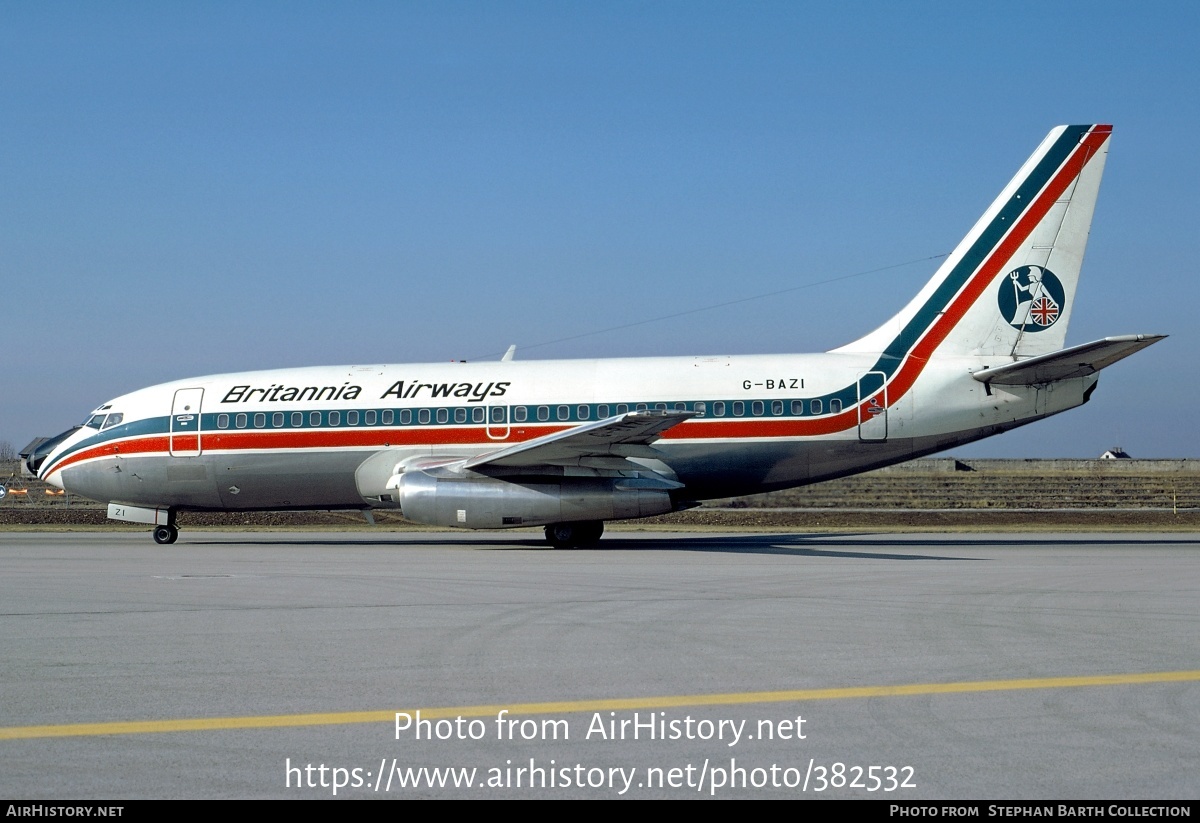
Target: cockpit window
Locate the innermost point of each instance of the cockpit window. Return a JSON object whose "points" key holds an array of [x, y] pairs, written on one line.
{"points": [[95, 421], [113, 420]]}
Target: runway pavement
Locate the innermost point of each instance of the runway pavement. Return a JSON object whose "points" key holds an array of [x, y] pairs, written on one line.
{"points": [[667, 665]]}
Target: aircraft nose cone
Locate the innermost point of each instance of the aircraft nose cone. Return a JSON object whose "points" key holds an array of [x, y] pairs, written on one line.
{"points": [[35, 453]]}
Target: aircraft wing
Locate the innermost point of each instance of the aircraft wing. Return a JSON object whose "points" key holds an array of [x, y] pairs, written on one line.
{"points": [[1077, 361], [612, 439]]}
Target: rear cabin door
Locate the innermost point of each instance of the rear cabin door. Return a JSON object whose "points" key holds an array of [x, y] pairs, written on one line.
{"points": [[185, 423]]}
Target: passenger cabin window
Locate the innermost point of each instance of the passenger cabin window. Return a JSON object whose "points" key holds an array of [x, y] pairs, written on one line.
{"points": [[543, 412], [443, 415], [797, 407], [660, 406], [260, 420], [520, 414], [835, 406], [477, 414], [297, 419], [739, 408], [460, 415], [240, 421], [497, 414], [423, 416], [583, 412], [564, 412], [776, 407], [335, 418], [602, 411], [405, 417], [277, 420], [314, 418], [351, 418], [369, 417], [389, 417], [641, 407], [719, 409], [817, 406], [757, 408], [701, 408], [222, 421], [622, 408]]}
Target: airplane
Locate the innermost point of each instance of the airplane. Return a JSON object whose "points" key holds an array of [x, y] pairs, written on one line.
{"points": [[571, 444]]}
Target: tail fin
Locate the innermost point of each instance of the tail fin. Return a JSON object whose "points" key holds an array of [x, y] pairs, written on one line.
{"points": [[1009, 287]]}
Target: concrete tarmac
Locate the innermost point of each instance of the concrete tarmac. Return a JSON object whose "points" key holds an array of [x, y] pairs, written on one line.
{"points": [[659, 665]]}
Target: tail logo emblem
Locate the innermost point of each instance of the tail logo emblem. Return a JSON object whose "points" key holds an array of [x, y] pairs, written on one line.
{"points": [[1031, 298]]}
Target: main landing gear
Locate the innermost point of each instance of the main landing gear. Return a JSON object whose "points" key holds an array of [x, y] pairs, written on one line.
{"points": [[574, 535], [166, 534]]}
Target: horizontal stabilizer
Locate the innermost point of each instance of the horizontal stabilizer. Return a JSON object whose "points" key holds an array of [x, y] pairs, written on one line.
{"points": [[1077, 361], [626, 435]]}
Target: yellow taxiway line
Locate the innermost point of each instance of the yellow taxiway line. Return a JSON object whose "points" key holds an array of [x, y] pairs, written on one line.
{"points": [[516, 710]]}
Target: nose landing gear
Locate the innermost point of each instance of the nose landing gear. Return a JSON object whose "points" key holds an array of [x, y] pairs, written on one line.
{"points": [[163, 520]]}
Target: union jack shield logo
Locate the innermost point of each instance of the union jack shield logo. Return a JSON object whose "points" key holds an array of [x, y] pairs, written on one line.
{"points": [[1030, 298], [1044, 311]]}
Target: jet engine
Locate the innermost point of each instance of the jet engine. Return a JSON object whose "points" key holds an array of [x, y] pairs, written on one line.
{"points": [[441, 496]]}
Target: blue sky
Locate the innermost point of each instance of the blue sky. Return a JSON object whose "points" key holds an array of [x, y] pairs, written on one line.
{"points": [[191, 188]]}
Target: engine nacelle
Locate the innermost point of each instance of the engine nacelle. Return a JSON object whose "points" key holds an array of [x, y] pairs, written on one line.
{"points": [[481, 502]]}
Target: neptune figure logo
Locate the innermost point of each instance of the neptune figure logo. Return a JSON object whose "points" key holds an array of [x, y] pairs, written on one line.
{"points": [[1031, 298]]}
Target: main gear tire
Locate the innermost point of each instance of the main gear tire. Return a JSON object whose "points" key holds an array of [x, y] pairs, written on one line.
{"points": [[574, 535]]}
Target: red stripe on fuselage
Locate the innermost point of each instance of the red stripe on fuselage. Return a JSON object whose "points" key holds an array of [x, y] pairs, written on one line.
{"points": [[185, 442], [140, 445], [238, 441]]}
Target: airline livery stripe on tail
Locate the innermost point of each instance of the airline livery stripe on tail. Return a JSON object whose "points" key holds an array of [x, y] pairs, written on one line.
{"points": [[943, 323]]}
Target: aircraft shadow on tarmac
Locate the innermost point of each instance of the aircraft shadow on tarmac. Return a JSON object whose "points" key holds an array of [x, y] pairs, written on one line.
{"points": [[865, 545], [798, 545]]}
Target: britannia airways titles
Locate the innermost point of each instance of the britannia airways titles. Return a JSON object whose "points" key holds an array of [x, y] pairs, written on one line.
{"points": [[279, 393]]}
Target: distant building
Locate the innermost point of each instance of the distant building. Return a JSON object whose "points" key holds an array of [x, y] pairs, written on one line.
{"points": [[1115, 453]]}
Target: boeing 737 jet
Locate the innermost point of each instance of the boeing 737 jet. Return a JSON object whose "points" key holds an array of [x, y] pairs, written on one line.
{"points": [[571, 444]]}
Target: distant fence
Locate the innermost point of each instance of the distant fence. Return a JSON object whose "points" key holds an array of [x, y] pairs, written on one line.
{"points": [[30, 492]]}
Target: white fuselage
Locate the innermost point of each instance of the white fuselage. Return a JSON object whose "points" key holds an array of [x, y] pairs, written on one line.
{"points": [[294, 438]]}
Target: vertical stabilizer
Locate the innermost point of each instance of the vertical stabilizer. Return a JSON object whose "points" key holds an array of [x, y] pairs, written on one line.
{"points": [[1009, 287]]}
